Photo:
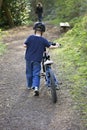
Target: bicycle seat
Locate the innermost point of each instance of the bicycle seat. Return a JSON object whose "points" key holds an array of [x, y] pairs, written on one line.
{"points": [[47, 62]]}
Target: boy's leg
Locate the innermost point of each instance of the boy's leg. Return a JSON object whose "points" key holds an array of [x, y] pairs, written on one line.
{"points": [[36, 74], [29, 74], [48, 78], [36, 77]]}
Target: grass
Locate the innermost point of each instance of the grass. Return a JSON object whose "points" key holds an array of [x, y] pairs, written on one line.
{"points": [[73, 59], [2, 45], [2, 48]]}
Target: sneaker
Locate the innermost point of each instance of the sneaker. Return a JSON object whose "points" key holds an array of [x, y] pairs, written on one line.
{"points": [[36, 91]]}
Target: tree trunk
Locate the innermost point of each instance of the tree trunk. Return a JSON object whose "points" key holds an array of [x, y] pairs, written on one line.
{"points": [[8, 14], [1, 3]]}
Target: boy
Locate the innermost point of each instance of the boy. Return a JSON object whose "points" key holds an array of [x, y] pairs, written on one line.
{"points": [[35, 46]]}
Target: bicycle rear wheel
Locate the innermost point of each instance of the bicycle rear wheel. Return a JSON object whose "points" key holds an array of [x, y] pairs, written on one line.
{"points": [[53, 87]]}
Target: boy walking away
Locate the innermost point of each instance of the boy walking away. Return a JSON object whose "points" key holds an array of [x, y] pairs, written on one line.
{"points": [[39, 11], [35, 46]]}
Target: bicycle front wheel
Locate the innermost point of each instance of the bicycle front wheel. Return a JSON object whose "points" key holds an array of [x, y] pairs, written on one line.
{"points": [[53, 87]]}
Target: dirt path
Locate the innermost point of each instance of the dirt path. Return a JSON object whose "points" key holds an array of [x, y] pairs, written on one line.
{"points": [[19, 109]]}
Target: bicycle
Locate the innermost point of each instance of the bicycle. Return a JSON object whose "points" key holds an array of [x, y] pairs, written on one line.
{"points": [[49, 75]]}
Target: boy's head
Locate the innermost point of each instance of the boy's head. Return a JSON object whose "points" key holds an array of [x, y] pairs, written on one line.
{"points": [[39, 27]]}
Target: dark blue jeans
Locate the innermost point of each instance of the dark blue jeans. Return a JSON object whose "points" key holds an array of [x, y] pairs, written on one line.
{"points": [[33, 74]]}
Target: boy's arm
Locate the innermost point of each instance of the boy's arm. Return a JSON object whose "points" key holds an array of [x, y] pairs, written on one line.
{"points": [[25, 46], [26, 42]]}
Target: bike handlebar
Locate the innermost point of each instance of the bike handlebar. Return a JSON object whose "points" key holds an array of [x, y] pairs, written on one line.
{"points": [[52, 43], [55, 44]]}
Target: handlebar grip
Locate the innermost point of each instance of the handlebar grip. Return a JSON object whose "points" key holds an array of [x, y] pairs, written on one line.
{"points": [[54, 44]]}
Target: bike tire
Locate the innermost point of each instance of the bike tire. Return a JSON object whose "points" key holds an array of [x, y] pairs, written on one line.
{"points": [[53, 87]]}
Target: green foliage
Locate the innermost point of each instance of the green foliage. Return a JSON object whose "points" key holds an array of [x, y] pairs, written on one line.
{"points": [[19, 11], [79, 33], [68, 10], [57, 10], [74, 55]]}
